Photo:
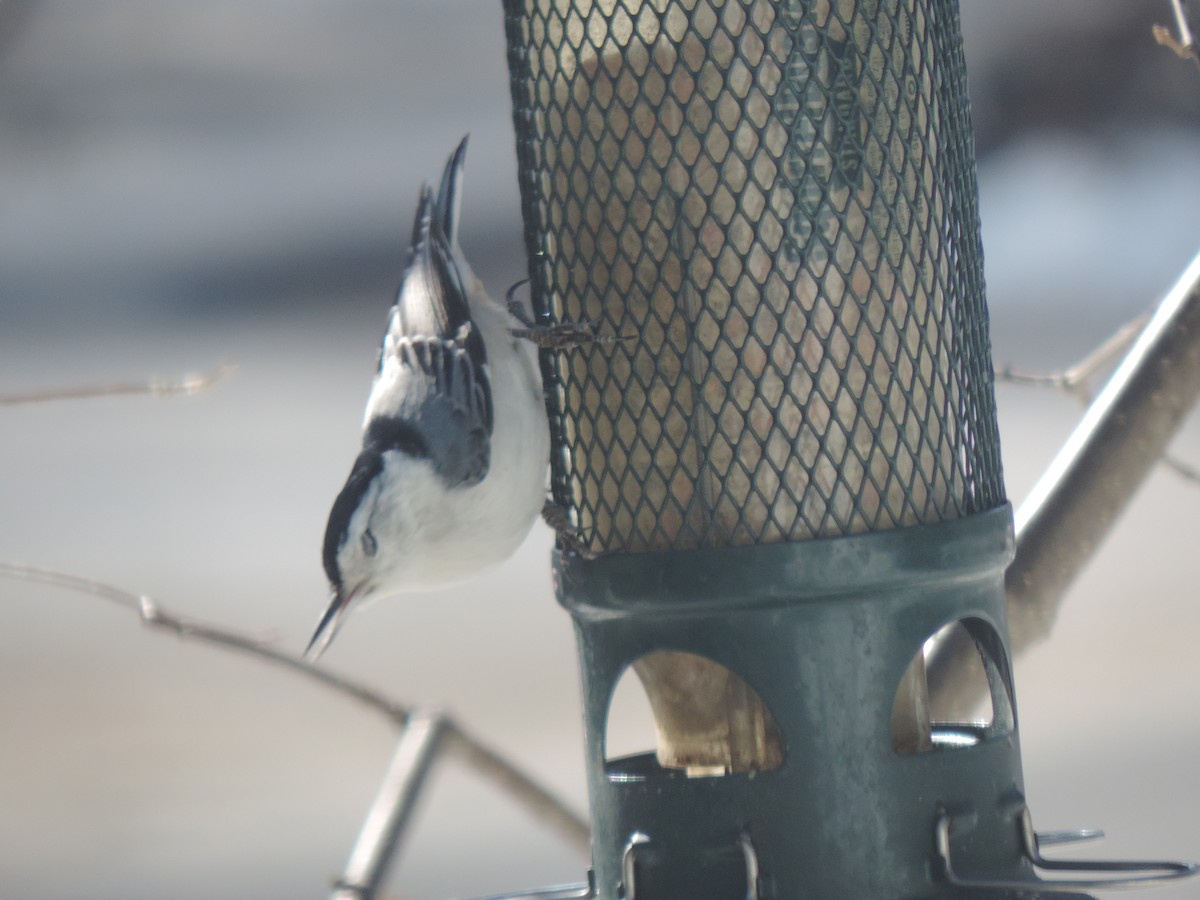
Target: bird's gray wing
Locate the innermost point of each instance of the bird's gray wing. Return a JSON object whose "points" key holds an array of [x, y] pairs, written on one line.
{"points": [[443, 406]]}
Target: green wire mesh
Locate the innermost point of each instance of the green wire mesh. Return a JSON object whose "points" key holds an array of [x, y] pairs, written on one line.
{"points": [[774, 204]]}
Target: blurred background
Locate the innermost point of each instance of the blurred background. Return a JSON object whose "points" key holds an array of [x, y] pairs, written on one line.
{"points": [[184, 185]]}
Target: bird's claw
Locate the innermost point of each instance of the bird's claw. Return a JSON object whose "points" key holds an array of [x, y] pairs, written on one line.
{"points": [[567, 334], [559, 336], [570, 538]]}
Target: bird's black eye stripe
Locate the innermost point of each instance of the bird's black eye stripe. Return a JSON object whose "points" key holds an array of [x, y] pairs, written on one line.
{"points": [[369, 545], [367, 467]]}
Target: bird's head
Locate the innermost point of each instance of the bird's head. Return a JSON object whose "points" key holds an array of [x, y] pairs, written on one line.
{"points": [[351, 554]]}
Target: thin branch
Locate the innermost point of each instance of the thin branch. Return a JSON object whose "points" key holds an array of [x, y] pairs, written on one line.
{"points": [[525, 790], [186, 385], [1186, 471], [155, 616], [538, 801], [1183, 46], [1074, 381]]}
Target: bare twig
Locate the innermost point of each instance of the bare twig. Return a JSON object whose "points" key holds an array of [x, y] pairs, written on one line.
{"points": [[186, 385], [1186, 471], [1183, 46], [156, 617], [1074, 381], [521, 787], [538, 801]]}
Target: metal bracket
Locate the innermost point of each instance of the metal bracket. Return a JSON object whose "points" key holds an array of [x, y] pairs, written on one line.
{"points": [[628, 887], [1144, 873], [750, 855]]}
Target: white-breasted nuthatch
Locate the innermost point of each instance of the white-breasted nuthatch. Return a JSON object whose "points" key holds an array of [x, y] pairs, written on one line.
{"points": [[452, 471]]}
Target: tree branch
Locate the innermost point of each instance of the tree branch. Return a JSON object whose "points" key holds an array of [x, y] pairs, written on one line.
{"points": [[155, 616], [186, 385], [1183, 46], [538, 801], [1074, 381]]}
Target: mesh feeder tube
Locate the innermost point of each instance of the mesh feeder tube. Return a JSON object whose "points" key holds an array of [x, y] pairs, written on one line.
{"points": [[787, 473]]}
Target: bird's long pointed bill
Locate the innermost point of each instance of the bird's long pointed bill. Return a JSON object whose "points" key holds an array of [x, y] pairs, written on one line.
{"points": [[331, 620]]}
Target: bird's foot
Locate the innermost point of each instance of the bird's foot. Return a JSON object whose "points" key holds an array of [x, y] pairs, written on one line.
{"points": [[565, 335], [560, 336], [570, 538]]}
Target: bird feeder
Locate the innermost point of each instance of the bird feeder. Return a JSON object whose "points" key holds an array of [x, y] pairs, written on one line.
{"points": [[784, 478]]}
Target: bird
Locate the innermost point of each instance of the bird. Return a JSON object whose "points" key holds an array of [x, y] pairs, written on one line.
{"points": [[452, 472]]}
